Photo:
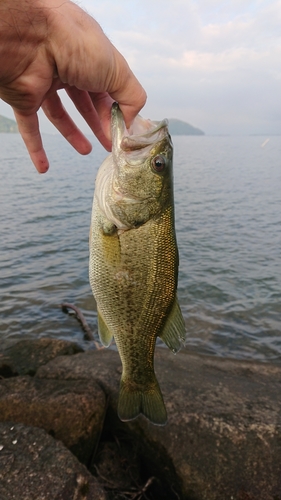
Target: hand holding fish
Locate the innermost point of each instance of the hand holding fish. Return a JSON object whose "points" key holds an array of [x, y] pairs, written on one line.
{"points": [[47, 45]]}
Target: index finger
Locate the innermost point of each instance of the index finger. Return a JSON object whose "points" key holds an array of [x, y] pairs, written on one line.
{"points": [[121, 86], [127, 91], [103, 101]]}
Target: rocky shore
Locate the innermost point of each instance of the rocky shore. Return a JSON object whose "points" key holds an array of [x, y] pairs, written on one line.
{"points": [[61, 439]]}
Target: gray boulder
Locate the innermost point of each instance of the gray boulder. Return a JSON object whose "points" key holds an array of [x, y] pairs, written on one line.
{"points": [[72, 412], [223, 437], [34, 466], [24, 357]]}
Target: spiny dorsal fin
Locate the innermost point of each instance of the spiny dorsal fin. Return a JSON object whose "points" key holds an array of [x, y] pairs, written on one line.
{"points": [[104, 332], [174, 333]]}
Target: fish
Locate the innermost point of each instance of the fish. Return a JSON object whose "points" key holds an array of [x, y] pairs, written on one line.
{"points": [[133, 265]]}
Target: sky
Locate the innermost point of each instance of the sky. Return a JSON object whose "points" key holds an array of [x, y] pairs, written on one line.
{"points": [[214, 64]]}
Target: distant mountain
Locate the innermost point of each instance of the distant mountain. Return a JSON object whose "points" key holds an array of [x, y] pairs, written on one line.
{"points": [[7, 125], [178, 127]]}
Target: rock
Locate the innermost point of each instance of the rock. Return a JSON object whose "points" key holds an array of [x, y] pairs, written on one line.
{"points": [[7, 369], [223, 437], [117, 465], [71, 411], [156, 474], [128, 467], [34, 466], [224, 431], [104, 366], [25, 356]]}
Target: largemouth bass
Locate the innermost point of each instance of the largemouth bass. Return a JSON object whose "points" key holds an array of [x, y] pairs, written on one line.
{"points": [[134, 259]]}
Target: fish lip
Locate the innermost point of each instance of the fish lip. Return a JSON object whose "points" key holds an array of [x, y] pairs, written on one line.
{"points": [[128, 140], [118, 128]]}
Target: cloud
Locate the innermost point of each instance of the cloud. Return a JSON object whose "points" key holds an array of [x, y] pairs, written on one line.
{"points": [[215, 64]]}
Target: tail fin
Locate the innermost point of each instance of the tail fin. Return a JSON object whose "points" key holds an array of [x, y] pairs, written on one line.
{"points": [[134, 400]]}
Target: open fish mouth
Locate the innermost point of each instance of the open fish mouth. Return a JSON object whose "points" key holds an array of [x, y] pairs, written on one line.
{"points": [[141, 135]]}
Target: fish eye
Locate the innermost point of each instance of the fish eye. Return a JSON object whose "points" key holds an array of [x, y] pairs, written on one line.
{"points": [[158, 163]]}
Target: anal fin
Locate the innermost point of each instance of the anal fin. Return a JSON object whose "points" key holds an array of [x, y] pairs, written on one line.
{"points": [[174, 333], [104, 332]]}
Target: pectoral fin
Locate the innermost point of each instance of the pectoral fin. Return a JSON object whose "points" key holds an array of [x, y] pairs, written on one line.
{"points": [[104, 332], [173, 333]]}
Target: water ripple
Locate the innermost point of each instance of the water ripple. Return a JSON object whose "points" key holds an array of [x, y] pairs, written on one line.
{"points": [[228, 218]]}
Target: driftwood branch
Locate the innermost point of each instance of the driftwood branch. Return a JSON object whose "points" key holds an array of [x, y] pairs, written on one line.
{"points": [[135, 493], [81, 318]]}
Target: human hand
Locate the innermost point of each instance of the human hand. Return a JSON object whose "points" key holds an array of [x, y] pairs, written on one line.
{"points": [[53, 44]]}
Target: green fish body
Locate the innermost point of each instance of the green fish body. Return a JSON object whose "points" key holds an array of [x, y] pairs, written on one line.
{"points": [[134, 259]]}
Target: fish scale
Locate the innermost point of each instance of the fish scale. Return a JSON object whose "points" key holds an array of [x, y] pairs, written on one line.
{"points": [[133, 268]]}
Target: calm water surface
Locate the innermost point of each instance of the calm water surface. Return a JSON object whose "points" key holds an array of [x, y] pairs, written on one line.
{"points": [[228, 217]]}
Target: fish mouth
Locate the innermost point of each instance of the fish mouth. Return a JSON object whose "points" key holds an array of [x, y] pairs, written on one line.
{"points": [[141, 134]]}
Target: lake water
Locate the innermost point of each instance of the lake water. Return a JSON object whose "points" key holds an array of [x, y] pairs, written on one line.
{"points": [[228, 219]]}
